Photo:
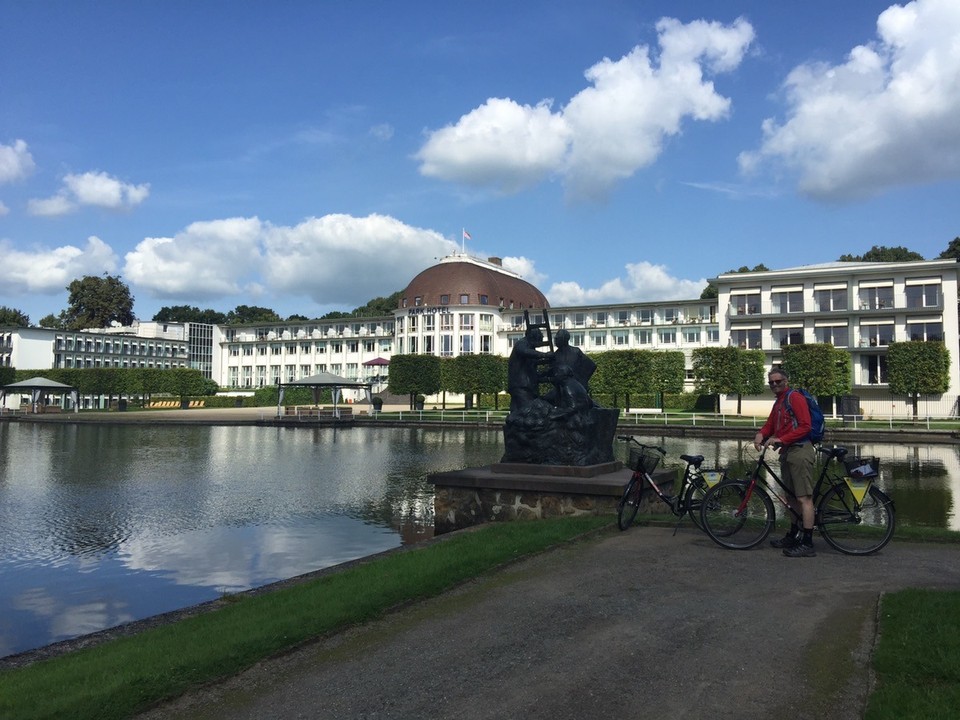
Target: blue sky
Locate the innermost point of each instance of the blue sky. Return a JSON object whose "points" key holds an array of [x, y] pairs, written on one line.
{"points": [[308, 156]]}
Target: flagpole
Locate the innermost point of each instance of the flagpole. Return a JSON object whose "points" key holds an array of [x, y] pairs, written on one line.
{"points": [[463, 241]]}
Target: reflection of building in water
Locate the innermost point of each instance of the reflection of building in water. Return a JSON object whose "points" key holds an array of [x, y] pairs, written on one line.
{"points": [[923, 480]]}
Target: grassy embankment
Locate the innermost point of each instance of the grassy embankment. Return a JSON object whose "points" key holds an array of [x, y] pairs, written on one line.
{"points": [[917, 659]]}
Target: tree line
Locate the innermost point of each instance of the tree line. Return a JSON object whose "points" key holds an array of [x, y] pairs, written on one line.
{"points": [[121, 382], [914, 369]]}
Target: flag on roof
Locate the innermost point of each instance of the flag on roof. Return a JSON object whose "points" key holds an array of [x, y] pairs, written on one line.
{"points": [[466, 235]]}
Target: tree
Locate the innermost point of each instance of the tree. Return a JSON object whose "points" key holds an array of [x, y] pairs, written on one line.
{"points": [[249, 314], [820, 368], [953, 250], [474, 374], [12, 317], [189, 313], [881, 253], [414, 375], [918, 368], [710, 292], [54, 322], [728, 370], [96, 302]]}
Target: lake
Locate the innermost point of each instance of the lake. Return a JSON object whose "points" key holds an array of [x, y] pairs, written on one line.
{"points": [[105, 524]]}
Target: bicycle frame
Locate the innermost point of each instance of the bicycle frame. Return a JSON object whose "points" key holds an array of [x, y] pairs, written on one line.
{"points": [[824, 479]]}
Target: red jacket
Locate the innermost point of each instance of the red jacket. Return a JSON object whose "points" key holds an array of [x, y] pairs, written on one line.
{"points": [[780, 424]]}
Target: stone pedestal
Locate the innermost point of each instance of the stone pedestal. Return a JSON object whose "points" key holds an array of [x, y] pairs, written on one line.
{"points": [[517, 491]]}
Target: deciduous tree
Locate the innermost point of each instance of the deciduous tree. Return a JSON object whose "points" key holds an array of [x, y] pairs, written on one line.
{"points": [[96, 301], [918, 368], [13, 317]]}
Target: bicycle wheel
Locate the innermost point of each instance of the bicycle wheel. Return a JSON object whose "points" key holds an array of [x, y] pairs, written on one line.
{"points": [[855, 529], [693, 500], [736, 515], [629, 504]]}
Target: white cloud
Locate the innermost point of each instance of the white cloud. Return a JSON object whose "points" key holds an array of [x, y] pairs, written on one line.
{"points": [[206, 260], [50, 271], [885, 117], [92, 188], [524, 267], [16, 162], [341, 259], [4, 210], [336, 260], [643, 281], [607, 131]]}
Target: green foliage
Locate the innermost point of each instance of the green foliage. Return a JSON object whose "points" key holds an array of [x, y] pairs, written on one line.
{"points": [[471, 374], [669, 372], [7, 375], [11, 317], [756, 268], [249, 314], [95, 302], [812, 366], [414, 374], [189, 313], [728, 370], [918, 368], [710, 292], [881, 253], [54, 322], [269, 394], [952, 252]]}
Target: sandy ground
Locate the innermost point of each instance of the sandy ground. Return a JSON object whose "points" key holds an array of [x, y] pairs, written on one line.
{"points": [[628, 625]]}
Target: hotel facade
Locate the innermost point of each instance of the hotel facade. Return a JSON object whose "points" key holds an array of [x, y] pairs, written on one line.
{"points": [[466, 305]]}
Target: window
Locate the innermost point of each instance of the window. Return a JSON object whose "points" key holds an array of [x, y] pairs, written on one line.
{"points": [[875, 369], [413, 345], [466, 344], [556, 321], [745, 304], [464, 299], [600, 319], [428, 345], [466, 321], [670, 315], [836, 335], [429, 323], [788, 336], [486, 344], [412, 323], [923, 296], [579, 319], [646, 316], [747, 338], [336, 347], [517, 322], [692, 336], [276, 349], [623, 317], [576, 339], [321, 347], [668, 337], [876, 297], [787, 301], [446, 345], [446, 322], [304, 371], [598, 339], [925, 330], [486, 322], [644, 337], [713, 334], [830, 299], [876, 335], [234, 351], [247, 350], [261, 349], [305, 348], [444, 299], [484, 300], [417, 301], [621, 338], [353, 346]]}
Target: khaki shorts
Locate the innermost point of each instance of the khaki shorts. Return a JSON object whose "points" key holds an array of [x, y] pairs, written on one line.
{"points": [[796, 468]]}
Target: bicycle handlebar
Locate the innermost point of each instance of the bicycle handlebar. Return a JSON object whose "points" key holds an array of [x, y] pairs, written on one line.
{"points": [[631, 438]]}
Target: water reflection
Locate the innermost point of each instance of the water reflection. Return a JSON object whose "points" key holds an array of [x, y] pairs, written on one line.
{"points": [[107, 524]]}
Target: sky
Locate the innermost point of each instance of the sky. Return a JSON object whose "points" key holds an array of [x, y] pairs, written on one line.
{"points": [[310, 156]]}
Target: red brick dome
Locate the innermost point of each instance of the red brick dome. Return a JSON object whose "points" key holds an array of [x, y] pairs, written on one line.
{"points": [[460, 280]]}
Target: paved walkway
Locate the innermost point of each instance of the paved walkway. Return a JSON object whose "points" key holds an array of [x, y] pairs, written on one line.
{"points": [[641, 624]]}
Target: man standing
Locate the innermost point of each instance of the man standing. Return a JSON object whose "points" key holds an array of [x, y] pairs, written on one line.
{"points": [[790, 427]]}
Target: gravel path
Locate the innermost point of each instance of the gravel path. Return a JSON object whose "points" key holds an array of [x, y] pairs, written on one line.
{"points": [[632, 625]]}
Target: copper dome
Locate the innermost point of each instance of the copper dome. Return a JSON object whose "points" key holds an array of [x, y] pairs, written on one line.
{"points": [[483, 283]]}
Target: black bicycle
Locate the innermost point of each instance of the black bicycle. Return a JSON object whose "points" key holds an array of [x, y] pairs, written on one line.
{"points": [[694, 485], [852, 514]]}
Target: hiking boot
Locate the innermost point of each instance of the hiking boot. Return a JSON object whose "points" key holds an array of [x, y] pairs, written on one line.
{"points": [[787, 541], [800, 550]]}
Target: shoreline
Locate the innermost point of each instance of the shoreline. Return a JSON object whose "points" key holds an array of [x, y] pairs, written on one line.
{"points": [[267, 417]]}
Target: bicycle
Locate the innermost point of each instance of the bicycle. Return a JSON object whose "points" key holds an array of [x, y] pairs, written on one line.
{"points": [[693, 486], [852, 514]]}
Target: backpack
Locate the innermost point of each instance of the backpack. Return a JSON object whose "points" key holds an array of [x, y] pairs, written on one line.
{"points": [[818, 425]]}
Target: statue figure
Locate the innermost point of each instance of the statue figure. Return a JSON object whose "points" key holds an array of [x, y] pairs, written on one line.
{"points": [[523, 369], [570, 374]]}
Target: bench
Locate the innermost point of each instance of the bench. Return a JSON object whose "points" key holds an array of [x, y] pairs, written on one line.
{"points": [[642, 411]]}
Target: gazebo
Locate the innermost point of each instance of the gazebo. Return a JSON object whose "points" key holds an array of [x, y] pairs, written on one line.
{"points": [[317, 383], [38, 387]]}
